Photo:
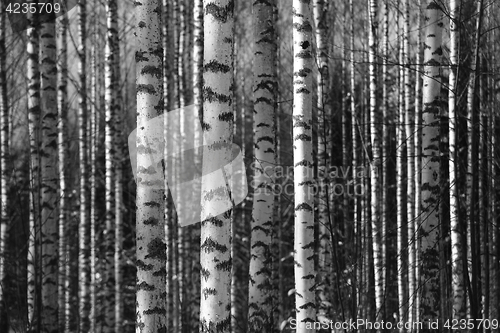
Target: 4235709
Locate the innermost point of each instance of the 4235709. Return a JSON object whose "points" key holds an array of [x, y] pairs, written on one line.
{"points": [[33, 8]]}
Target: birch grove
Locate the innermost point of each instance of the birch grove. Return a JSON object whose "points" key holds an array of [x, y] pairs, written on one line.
{"points": [[267, 166]]}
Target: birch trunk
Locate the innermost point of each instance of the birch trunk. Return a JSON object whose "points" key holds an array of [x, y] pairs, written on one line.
{"points": [[305, 274], [33, 269], [484, 193], [119, 191], [473, 168], [49, 184], [180, 132], [495, 299], [168, 41], [413, 270], [179, 129], [260, 302], [218, 76], [118, 244], [386, 147], [83, 251], [410, 160], [194, 306], [111, 51], [402, 189], [93, 141], [191, 236], [324, 260], [375, 163], [432, 102], [150, 232], [458, 287], [119, 206], [62, 106], [355, 182], [4, 177]]}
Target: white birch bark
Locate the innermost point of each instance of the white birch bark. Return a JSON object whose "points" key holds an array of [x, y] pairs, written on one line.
{"points": [[168, 41], [401, 196], [305, 274], [49, 174], [432, 103], [495, 297], [194, 307], [473, 129], [118, 243], [386, 151], [83, 250], [355, 129], [375, 163], [218, 76], [458, 287], [178, 128], [111, 50], [150, 232], [93, 141], [119, 169], [413, 273], [4, 177], [62, 106], [324, 257], [33, 274], [260, 291], [410, 160]]}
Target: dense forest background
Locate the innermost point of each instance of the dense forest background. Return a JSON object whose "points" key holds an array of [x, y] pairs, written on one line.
{"points": [[369, 131]]}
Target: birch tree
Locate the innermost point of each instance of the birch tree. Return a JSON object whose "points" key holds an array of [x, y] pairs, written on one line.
{"points": [[357, 211], [264, 70], [33, 72], [150, 231], [180, 234], [62, 107], [49, 174], [118, 242], [83, 235], [320, 19], [194, 307], [413, 314], [93, 141], [375, 181], [473, 128], [168, 40], [4, 177], [432, 103], [217, 127], [305, 275], [495, 297], [458, 291], [410, 160], [119, 188], [386, 140], [110, 85], [401, 199]]}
